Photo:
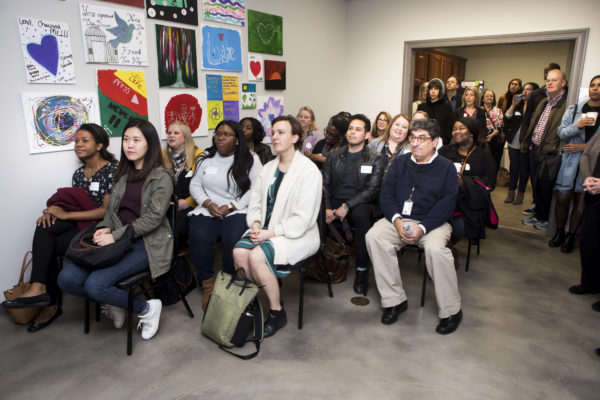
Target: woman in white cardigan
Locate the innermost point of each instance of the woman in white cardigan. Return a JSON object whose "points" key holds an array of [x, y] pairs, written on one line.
{"points": [[282, 216]]}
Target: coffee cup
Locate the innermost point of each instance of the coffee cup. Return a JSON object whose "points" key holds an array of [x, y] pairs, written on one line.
{"points": [[592, 114]]}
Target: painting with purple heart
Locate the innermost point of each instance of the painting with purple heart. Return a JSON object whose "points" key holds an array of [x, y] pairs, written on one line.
{"points": [[46, 51]]}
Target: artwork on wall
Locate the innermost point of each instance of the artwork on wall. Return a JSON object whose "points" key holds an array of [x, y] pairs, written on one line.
{"points": [[113, 35], [46, 51], [176, 49], [222, 97], [274, 75], [478, 84], [132, 3], [269, 107], [184, 106], [182, 11], [122, 95], [53, 119], [255, 68], [265, 33], [221, 49], [227, 11], [248, 95]]}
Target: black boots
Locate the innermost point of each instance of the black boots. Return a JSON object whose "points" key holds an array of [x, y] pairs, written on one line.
{"points": [[558, 239], [276, 320], [569, 242]]}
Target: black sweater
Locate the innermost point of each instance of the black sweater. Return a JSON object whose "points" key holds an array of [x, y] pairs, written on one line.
{"points": [[441, 111]]}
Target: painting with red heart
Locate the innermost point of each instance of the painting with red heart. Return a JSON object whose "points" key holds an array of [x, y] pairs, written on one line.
{"points": [[255, 68]]}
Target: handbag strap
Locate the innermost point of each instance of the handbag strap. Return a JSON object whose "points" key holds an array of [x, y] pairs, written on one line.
{"points": [[464, 163], [256, 338], [25, 265]]}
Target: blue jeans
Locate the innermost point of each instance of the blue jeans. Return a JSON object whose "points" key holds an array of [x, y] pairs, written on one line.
{"points": [[204, 232], [99, 285]]}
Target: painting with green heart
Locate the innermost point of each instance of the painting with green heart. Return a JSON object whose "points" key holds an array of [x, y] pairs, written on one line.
{"points": [[265, 33]]}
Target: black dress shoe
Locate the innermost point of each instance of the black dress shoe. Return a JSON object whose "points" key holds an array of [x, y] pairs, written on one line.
{"points": [[275, 321], [558, 239], [41, 300], [569, 243], [361, 282], [36, 326], [449, 325], [596, 306], [391, 314], [579, 289]]}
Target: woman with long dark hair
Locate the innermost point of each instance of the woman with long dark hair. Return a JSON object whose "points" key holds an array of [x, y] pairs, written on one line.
{"points": [[139, 201], [254, 134], [438, 108], [91, 187], [515, 88], [221, 187]]}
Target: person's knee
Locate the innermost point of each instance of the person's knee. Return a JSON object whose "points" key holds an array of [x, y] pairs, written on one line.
{"points": [[256, 257], [63, 280], [94, 288]]}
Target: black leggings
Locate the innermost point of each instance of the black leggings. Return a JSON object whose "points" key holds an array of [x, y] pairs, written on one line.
{"points": [[48, 244]]}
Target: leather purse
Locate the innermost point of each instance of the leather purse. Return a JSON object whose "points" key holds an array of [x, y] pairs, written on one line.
{"points": [[21, 316], [84, 253]]}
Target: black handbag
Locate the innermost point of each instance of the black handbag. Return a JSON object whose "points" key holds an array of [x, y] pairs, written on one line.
{"points": [[84, 253], [166, 291]]}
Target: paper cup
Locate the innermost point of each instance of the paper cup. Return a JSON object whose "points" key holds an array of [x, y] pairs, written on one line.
{"points": [[592, 114]]}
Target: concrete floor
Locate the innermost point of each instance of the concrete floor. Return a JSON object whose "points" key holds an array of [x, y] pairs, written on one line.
{"points": [[523, 337]]}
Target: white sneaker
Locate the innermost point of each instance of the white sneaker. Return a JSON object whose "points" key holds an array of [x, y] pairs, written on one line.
{"points": [[149, 321], [117, 314]]}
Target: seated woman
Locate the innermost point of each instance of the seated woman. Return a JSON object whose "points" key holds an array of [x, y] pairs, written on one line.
{"points": [[282, 217], [221, 187], [382, 122], [476, 178], [310, 135], [470, 108], [181, 155], [140, 199], [335, 135], [57, 226], [394, 141], [254, 133]]}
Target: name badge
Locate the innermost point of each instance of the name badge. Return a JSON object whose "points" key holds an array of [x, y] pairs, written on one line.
{"points": [[94, 186], [458, 167], [308, 145], [211, 171], [189, 174], [366, 169], [518, 113], [407, 209]]}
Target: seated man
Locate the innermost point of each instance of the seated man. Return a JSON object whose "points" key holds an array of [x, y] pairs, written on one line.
{"points": [[417, 198], [351, 180]]}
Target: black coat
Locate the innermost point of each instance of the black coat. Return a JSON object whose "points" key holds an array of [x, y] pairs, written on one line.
{"points": [[441, 111]]}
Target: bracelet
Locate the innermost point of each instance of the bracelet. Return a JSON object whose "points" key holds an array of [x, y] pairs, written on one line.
{"points": [[209, 203]]}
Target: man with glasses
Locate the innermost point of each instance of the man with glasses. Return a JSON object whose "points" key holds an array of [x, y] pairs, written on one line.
{"points": [[417, 198], [351, 180]]}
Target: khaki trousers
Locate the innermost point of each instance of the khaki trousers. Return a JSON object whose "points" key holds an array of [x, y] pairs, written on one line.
{"points": [[383, 244]]}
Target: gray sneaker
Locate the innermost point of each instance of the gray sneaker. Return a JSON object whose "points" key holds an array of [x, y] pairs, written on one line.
{"points": [[530, 221], [541, 225]]}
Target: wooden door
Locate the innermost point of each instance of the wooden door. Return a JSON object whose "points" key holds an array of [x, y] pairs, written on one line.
{"points": [[435, 66]]}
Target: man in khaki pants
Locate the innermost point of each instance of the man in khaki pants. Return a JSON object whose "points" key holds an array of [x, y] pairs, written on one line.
{"points": [[417, 198]]}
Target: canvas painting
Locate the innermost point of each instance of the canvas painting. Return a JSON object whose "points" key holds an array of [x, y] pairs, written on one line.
{"points": [[122, 95], [265, 33], [182, 11], [248, 96], [132, 3], [222, 99], [268, 107], [226, 11], [53, 119], [113, 35], [221, 49], [274, 75], [176, 49], [255, 68], [46, 51], [184, 106]]}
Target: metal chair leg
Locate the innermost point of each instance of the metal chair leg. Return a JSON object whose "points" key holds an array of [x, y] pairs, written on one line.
{"points": [[324, 263], [478, 241], [424, 285], [468, 255], [97, 312], [181, 295], [130, 321], [86, 318], [301, 300]]}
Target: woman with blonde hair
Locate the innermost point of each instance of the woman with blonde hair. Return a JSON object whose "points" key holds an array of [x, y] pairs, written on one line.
{"points": [[310, 134], [470, 108], [422, 97], [382, 123], [394, 141]]}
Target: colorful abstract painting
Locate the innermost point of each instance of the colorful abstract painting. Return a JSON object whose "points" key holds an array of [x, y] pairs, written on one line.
{"points": [[222, 99], [227, 11], [269, 107], [182, 11], [113, 35], [132, 3], [248, 96], [122, 95], [265, 33], [184, 106], [274, 75], [176, 48], [221, 49], [46, 51], [255, 68], [53, 119]]}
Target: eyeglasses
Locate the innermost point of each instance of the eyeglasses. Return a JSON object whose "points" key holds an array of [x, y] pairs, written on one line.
{"points": [[382, 120], [224, 134], [418, 139]]}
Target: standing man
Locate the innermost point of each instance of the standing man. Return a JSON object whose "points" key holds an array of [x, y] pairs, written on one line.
{"points": [[453, 93], [417, 198], [352, 178]]}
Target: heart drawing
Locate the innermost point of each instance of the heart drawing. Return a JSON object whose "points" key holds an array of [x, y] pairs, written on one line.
{"points": [[255, 68], [45, 53], [221, 37], [266, 32]]}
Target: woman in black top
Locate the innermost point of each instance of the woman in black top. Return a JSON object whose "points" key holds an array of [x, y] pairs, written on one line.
{"points": [[438, 108], [335, 135], [254, 134]]}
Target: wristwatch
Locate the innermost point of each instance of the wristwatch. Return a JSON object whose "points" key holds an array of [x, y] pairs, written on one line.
{"points": [[346, 206]]}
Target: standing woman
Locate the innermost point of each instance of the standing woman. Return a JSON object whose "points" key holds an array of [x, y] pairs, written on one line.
{"points": [[282, 217], [515, 87], [140, 200], [56, 227], [438, 108], [180, 156], [254, 134], [382, 122], [494, 123], [310, 135], [221, 187], [470, 108], [422, 97], [394, 141]]}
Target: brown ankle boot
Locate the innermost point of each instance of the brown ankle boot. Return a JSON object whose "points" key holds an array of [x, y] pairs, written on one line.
{"points": [[207, 288], [519, 198]]}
